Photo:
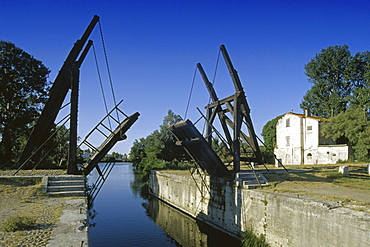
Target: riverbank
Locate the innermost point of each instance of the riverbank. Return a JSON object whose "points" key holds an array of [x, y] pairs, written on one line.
{"points": [[24, 197]]}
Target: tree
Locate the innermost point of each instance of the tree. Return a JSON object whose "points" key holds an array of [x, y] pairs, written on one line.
{"points": [[137, 151], [158, 150], [361, 93], [269, 139], [170, 150], [335, 75], [353, 125], [23, 92], [221, 149], [55, 151]]}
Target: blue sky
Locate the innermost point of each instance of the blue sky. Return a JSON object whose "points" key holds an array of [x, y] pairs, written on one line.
{"points": [[153, 48]]}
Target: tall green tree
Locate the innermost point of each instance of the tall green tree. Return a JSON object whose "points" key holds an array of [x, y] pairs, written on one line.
{"points": [[336, 75], [23, 92], [158, 150], [269, 133], [354, 125], [55, 151], [137, 151], [269, 139], [361, 92], [170, 150]]}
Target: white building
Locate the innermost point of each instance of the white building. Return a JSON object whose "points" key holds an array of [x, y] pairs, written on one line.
{"points": [[298, 141]]}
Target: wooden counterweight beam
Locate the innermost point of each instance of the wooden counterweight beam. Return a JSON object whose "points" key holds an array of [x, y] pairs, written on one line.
{"points": [[237, 106], [57, 94]]}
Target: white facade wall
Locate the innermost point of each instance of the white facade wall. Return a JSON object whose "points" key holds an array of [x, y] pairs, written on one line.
{"points": [[298, 139]]}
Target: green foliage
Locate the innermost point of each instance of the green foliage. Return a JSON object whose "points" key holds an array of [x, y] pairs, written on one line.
{"points": [[23, 91], [361, 92], [269, 133], [334, 175], [158, 150], [56, 149], [354, 125], [16, 223], [221, 150], [111, 157], [137, 152], [251, 240], [269, 139], [116, 155], [338, 78]]}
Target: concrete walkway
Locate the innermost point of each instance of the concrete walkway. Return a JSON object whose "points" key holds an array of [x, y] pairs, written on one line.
{"points": [[72, 228]]}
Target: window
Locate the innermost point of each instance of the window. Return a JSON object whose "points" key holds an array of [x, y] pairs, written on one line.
{"points": [[309, 157], [287, 140], [287, 122], [309, 127]]}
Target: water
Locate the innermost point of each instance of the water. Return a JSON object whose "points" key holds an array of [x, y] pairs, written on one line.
{"points": [[123, 218]]}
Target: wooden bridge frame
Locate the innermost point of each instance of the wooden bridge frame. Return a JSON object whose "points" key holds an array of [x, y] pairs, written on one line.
{"points": [[237, 106], [68, 78]]}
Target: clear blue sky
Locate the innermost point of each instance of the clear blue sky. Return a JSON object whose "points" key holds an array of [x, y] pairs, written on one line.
{"points": [[153, 48]]}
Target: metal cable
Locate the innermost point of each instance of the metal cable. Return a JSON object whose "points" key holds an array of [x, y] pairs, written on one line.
{"points": [[108, 69], [215, 73], [65, 132], [22, 134], [65, 119], [191, 92], [101, 84], [213, 82]]}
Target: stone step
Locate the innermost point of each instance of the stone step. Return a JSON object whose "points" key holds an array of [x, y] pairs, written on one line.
{"points": [[247, 175], [65, 185], [67, 178], [68, 193], [254, 181], [250, 180], [66, 182], [65, 188]]}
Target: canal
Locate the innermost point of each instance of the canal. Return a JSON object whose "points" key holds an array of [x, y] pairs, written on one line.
{"points": [[121, 216]]}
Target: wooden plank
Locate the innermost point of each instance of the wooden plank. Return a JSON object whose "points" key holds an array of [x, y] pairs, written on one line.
{"points": [[198, 148]]}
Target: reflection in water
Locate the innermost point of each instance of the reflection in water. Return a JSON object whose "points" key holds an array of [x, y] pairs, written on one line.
{"points": [[121, 219], [186, 230]]}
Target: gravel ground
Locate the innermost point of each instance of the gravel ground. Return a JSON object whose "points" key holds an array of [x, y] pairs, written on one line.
{"points": [[20, 198], [32, 172]]}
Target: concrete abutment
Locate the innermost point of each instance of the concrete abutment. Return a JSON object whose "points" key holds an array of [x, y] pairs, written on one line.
{"points": [[285, 220]]}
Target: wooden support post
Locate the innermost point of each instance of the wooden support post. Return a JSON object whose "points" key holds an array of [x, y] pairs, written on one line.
{"points": [[75, 81], [236, 138], [72, 165], [57, 94]]}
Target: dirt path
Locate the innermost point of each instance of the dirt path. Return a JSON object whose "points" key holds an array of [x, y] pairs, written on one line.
{"points": [[19, 197], [318, 186]]}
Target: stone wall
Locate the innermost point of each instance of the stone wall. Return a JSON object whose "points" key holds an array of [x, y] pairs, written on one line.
{"points": [[285, 220]]}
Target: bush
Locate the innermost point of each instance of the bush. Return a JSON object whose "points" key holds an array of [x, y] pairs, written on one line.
{"points": [[16, 223], [251, 240]]}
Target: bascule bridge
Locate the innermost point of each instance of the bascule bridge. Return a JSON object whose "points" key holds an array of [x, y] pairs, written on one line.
{"points": [[112, 127], [234, 117]]}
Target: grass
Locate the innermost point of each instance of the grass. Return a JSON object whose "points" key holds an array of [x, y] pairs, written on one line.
{"points": [[27, 214], [249, 239], [357, 178], [24, 197], [324, 182], [17, 223]]}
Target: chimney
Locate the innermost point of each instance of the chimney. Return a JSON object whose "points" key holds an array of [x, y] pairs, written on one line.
{"points": [[307, 112]]}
